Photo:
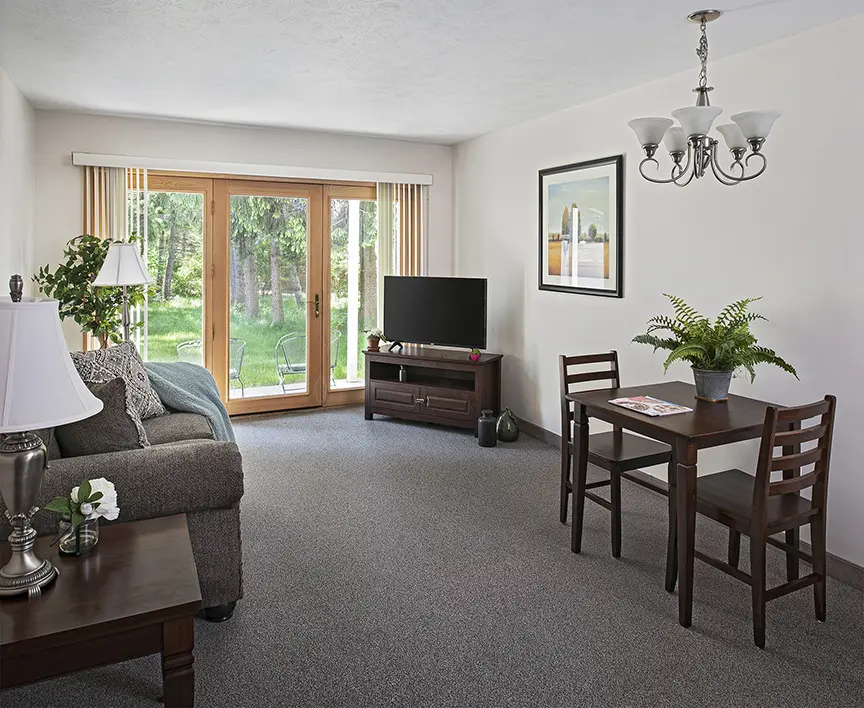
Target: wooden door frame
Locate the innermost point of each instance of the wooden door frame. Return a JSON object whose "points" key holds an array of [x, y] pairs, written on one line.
{"points": [[224, 189], [345, 396]]}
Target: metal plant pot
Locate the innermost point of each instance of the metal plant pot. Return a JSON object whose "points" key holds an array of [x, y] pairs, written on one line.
{"points": [[712, 386]]}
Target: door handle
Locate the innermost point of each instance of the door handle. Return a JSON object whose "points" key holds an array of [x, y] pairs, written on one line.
{"points": [[317, 306], [420, 400]]}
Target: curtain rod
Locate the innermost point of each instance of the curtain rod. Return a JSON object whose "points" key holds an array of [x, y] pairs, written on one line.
{"points": [[89, 159]]}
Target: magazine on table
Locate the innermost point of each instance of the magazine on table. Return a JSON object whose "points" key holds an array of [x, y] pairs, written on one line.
{"points": [[650, 405]]}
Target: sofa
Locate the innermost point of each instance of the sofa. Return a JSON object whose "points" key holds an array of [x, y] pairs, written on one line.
{"points": [[183, 471]]}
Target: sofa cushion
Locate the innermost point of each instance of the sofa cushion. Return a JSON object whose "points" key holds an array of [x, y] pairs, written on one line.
{"points": [[176, 427], [121, 360], [110, 430]]}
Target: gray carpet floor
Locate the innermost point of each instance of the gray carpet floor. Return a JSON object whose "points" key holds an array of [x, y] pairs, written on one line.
{"points": [[397, 564]]}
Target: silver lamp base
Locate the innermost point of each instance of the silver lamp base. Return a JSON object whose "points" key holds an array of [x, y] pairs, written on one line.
{"points": [[22, 464]]}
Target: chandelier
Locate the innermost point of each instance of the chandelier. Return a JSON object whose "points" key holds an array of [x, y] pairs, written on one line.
{"points": [[692, 149]]}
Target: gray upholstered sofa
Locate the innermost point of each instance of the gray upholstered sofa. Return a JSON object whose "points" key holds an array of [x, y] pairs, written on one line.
{"points": [[183, 471]]}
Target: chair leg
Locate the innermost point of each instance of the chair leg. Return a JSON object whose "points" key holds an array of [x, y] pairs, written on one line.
{"points": [[566, 463], [734, 548], [672, 540], [757, 573], [792, 567], [615, 503], [817, 542]]}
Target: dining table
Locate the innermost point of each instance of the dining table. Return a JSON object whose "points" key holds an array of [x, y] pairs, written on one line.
{"points": [[708, 424]]}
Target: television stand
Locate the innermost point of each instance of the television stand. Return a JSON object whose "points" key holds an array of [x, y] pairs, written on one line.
{"points": [[443, 386]]}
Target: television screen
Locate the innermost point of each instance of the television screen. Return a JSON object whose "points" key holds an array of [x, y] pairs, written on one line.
{"points": [[445, 311]]}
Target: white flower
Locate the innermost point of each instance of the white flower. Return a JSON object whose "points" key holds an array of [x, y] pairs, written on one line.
{"points": [[105, 507]]}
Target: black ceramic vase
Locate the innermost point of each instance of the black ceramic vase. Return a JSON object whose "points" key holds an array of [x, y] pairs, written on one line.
{"points": [[508, 428], [486, 436]]}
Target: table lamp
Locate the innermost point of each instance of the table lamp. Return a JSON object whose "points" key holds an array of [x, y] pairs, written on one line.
{"points": [[123, 267], [39, 388]]}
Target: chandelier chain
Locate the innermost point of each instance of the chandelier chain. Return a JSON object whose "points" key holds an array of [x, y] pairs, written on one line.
{"points": [[702, 53]]}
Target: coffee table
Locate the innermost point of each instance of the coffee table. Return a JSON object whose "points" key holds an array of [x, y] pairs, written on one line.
{"points": [[135, 594]]}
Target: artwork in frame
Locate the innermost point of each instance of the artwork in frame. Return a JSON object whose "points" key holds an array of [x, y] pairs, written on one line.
{"points": [[582, 228]]}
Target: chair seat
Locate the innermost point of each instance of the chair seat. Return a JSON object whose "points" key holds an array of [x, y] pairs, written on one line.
{"points": [[626, 451], [731, 493], [292, 369]]}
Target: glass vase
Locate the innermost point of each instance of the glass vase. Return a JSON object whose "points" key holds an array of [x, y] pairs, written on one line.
{"points": [[80, 540]]}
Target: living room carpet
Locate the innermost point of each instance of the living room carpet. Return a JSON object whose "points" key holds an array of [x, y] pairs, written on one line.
{"points": [[389, 563]]}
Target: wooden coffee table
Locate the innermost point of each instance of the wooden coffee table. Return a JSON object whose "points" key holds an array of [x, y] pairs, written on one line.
{"points": [[135, 594]]}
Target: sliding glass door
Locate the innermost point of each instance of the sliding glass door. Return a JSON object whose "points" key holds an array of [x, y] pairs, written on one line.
{"points": [[269, 345], [352, 246], [270, 285]]}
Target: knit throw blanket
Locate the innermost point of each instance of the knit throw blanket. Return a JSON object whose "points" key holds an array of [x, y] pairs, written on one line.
{"points": [[190, 388]]}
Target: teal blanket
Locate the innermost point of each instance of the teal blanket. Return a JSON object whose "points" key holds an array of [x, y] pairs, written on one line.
{"points": [[190, 388]]}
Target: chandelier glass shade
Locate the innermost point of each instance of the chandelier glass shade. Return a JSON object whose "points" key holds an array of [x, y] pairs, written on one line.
{"points": [[692, 148]]}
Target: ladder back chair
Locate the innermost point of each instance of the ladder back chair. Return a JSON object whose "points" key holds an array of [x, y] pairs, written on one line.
{"points": [[761, 508], [617, 452]]}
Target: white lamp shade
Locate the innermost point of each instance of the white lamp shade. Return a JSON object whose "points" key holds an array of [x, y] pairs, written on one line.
{"points": [[735, 139], [675, 140], [697, 120], [122, 266], [756, 124], [39, 386], [650, 131]]}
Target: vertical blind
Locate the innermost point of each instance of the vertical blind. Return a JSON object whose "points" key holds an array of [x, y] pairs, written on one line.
{"points": [[115, 207], [402, 227]]}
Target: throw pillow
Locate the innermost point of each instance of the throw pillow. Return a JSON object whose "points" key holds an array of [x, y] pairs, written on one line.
{"points": [[110, 430], [122, 360]]}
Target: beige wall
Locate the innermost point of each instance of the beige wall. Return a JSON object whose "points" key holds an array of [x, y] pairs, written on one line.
{"points": [[16, 183], [793, 236], [59, 184]]}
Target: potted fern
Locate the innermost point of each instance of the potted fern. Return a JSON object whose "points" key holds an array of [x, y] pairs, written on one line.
{"points": [[715, 350]]}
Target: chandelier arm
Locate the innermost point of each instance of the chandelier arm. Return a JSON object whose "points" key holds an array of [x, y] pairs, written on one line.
{"points": [[724, 177], [654, 179], [715, 166], [690, 175]]}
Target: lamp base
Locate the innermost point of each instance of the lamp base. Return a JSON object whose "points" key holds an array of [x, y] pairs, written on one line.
{"points": [[22, 463]]}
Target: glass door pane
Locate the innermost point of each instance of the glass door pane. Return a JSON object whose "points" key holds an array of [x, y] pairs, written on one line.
{"points": [[174, 248], [353, 285], [268, 329]]}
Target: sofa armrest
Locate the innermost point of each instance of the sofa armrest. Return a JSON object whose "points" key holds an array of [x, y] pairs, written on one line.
{"points": [[160, 480]]}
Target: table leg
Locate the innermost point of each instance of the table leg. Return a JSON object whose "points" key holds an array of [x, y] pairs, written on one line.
{"points": [[580, 473], [672, 540], [178, 669], [685, 454]]}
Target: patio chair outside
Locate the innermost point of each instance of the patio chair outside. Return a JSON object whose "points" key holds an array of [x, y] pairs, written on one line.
{"points": [[237, 351]]}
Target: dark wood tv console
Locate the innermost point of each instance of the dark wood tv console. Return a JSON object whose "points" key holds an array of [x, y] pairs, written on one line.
{"points": [[442, 386]]}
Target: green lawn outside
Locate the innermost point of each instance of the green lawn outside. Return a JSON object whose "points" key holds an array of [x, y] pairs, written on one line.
{"points": [[179, 320]]}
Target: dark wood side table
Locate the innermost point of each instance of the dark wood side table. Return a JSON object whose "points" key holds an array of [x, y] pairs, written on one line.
{"points": [[135, 594], [708, 425]]}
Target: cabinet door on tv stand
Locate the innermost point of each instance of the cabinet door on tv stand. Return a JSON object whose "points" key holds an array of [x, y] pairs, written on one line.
{"points": [[448, 403], [397, 397]]}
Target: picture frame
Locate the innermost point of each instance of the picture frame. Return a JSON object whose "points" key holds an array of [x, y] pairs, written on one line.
{"points": [[581, 229]]}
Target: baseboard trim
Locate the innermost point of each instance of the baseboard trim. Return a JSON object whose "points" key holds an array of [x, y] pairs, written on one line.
{"points": [[838, 568]]}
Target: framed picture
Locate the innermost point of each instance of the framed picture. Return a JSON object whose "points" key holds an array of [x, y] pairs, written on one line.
{"points": [[582, 228]]}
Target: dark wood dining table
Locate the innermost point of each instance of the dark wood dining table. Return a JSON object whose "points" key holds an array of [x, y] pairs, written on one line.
{"points": [[707, 425]]}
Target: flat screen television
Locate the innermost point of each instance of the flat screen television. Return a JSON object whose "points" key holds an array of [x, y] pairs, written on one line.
{"points": [[446, 311]]}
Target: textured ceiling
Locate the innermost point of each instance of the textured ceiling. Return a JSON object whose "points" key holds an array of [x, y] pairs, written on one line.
{"points": [[438, 70]]}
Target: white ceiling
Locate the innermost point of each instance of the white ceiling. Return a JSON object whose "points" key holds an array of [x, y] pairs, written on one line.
{"points": [[437, 70]]}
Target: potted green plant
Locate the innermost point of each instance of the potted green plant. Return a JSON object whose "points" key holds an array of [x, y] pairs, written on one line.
{"points": [[373, 338], [96, 310], [715, 350]]}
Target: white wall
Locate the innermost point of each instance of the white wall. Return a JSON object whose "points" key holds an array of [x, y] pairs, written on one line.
{"points": [[59, 185], [794, 236], [16, 182]]}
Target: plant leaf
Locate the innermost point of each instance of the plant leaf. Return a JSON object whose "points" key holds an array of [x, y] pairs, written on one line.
{"points": [[96, 496], [84, 491], [59, 504], [77, 518]]}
